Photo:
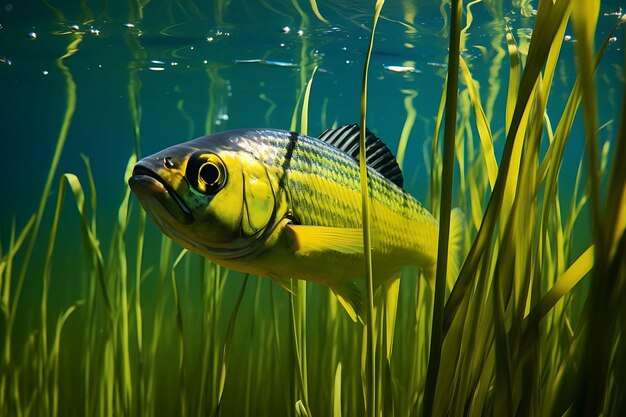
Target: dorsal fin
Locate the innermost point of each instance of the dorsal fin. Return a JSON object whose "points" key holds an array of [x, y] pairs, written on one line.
{"points": [[379, 156]]}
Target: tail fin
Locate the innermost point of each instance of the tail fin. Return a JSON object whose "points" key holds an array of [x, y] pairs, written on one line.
{"points": [[455, 246]]}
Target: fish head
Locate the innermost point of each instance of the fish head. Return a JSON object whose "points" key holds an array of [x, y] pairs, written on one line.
{"points": [[216, 200]]}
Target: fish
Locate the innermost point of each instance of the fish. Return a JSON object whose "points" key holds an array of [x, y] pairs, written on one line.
{"points": [[287, 206]]}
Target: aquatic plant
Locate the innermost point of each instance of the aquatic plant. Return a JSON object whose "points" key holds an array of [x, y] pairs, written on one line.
{"points": [[531, 326]]}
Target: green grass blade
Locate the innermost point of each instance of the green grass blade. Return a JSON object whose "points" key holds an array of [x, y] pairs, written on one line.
{"points": [[452, 87], [337, 392], [435, 170], [93, 201], [53, 366], [570, 278], [304, 120], [514, 77], [6, 265], [299, 300], [616, 204], [411, 114], [230, 331], [371, 402], [298, 322], [182, 391], [119, 250], [71, 49], [596, 356], [316, 10], [482, 125]]}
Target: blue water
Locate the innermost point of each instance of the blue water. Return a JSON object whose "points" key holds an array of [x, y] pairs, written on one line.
{"points": [[201, 67], [175, 98]]}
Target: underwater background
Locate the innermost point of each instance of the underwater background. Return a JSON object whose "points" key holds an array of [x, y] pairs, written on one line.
{"points": [[102, 315]]}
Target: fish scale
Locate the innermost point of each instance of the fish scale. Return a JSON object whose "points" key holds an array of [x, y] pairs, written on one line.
{"points": [[324, 188]]}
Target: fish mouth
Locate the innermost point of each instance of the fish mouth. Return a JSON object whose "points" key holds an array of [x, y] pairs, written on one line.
{"points": [[149, 186]]}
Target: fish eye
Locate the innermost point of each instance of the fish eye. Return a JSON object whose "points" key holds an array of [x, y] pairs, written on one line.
{"points": [[206, 173], [211, 176]]}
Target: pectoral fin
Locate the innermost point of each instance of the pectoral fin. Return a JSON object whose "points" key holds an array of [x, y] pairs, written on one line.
{"points": [[350, 299], [308, 239]]}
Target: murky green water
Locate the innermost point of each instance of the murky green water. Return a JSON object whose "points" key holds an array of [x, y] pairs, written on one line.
{"points": [[147, 75]]}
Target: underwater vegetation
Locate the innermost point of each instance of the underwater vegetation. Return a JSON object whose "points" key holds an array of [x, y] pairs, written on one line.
{"points": [[533, 325]]}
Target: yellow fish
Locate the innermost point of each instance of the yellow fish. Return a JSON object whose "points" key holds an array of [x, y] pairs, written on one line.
{"points": [[285, 205]]}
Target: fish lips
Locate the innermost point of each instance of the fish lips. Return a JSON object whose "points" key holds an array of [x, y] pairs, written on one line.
{"points": [[149, 186]]}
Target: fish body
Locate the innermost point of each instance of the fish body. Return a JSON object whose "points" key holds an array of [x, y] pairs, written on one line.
{"points": [[286, 205]]}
